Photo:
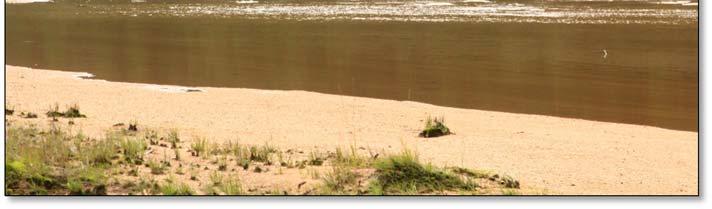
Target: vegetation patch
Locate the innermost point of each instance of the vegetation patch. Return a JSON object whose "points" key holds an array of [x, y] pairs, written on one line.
{"points": [[71, 112], [54, 163], [173, 139], [231, 186], [156, 167], [339, 181], [176, 189], [509, 182], [28, 115], [133, 126], [133, 150], [262, 153], [404, 174], [351, 158], [316, 158], [199, 146], [434, 127], [470, 173]]}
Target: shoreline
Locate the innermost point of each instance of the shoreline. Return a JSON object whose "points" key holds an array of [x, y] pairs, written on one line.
{"points": [[560, 155]]}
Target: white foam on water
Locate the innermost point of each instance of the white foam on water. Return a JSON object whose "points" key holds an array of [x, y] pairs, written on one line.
{"points": [[429, 4], [172, 89], [476, 1], [674, 2], [161, 88], [430, 11], [83, 75], [247, 2]]}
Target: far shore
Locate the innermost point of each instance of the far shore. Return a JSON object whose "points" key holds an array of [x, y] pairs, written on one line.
{"points": [[550, 154]]}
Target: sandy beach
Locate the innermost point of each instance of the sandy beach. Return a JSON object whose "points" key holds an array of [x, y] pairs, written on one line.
{"points": [[551, 154]]}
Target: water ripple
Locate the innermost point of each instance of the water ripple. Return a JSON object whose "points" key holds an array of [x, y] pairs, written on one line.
{"points": [[423, 11]]}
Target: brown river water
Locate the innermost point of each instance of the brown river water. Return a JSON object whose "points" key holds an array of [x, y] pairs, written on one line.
{"points": [[623, 61]]}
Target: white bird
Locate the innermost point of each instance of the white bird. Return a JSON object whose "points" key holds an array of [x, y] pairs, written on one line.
{"points": [[605, 54]]}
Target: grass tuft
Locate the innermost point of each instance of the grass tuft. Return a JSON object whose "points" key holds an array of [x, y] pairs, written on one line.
{"points": [[509, 182], [434, 127], [199, 146], [231, 186], [399, 174], [173, 139], [316, 158], [71, 112], [351, 159], [176, 189], [54, 162], [28, 115], [262, 153], [156, 167], [133, 150], [339, 180], [216, 178], [509, 192], [470, 173]]}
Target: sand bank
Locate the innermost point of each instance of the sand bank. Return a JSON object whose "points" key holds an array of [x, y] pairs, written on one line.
{"points": [[559, 155]]}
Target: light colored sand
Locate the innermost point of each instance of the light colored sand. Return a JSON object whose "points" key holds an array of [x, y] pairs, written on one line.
{"points": [[560, 155]]}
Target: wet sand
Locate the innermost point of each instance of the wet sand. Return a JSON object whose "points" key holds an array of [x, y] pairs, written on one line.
{"points": [[556, 155]]}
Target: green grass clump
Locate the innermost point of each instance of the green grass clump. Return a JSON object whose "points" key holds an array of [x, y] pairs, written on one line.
{"points": [[316, 158], [222, 163], [173, 139], [262, 153], [399, 174], [231, 186], [28, 115], [434, 128], [91, 180], [71, 112], [240, 152], [199, 146], [54, 162], [176, 189], [177, 154], [102, 152], [244, 163], [75, 188], [54, 111], [133, 150], [509, 192], [216, 178], [351, 159], [338, 181], [509, 182], [157, 168], [470, 173]]}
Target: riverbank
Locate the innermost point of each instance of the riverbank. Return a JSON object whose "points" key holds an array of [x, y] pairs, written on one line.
{"points": [[559, 155]]}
